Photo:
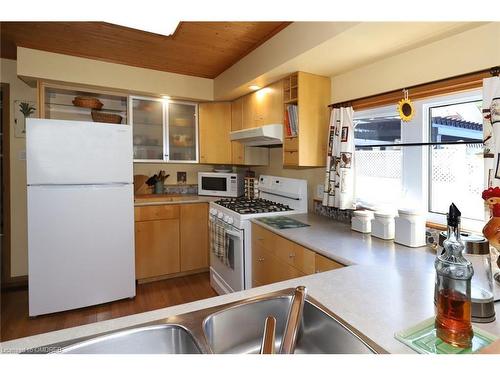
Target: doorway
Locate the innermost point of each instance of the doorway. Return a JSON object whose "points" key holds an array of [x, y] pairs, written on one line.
{"points": [[5, 181]]}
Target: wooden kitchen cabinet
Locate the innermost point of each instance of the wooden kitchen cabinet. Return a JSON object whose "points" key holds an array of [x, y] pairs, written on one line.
{"points": [[311, 94], [324, 264], [275, 258], [268, 269], [156, 248], [263, 107], [194, 236], [214, 128], [237, 148], [170, 240]]}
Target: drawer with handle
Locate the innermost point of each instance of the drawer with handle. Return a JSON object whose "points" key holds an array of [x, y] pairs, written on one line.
{"points": [[159, 212]]}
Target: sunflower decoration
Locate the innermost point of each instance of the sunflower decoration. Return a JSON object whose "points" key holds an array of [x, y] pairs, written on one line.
{"points": [[405, 107]]}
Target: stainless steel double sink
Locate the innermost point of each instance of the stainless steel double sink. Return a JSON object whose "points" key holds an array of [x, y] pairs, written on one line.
{"points": [[231, 328]]}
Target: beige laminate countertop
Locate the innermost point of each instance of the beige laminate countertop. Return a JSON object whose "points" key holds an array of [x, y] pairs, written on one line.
{"points": [[386, 289], [157, 199]]}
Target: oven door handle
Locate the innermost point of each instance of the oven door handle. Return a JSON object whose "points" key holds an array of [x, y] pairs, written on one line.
{"points": [[233, 233]]}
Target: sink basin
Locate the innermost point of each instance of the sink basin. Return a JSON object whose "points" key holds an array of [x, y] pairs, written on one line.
{"points": [[239, 329], [155, 339], [235, 327]]}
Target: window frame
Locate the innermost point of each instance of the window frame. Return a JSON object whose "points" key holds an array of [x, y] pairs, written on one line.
{"points": [[416, 168]]}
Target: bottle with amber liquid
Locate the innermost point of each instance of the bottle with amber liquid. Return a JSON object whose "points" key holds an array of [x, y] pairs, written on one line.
{"points": [[453, 286]]}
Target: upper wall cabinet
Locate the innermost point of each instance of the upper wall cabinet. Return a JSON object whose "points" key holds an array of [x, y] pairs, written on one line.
{"points": [[263, 107], [59, 102], [164, 131], [305, 106], [217, 120], [241, 154], [215, 126]]}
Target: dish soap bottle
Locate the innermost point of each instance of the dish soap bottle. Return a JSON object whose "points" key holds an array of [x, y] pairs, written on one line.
{"points": [[453, 286]]}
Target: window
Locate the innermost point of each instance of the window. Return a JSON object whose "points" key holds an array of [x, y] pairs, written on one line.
{"points": [[378, 167], [456, 172], [423, 176]]}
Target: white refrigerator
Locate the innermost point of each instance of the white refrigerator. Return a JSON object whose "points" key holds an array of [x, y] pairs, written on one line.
{"points": [[80, 214]]}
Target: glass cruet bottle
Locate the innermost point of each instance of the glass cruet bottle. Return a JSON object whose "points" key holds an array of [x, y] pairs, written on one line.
{"points": [[453, 285]]}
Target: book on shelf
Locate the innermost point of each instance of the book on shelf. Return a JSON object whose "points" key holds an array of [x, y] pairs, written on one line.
{"points": [[292, 117], [288, 130]]}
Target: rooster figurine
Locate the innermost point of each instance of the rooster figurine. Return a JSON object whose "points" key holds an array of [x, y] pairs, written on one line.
{"points": [[491, 230]]}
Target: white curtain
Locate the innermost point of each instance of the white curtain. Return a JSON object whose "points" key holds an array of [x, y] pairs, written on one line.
{"points": [[339, 179], [491, 128]]}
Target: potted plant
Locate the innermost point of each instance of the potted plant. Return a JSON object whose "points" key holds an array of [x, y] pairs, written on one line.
{"points": [[27, 110]]}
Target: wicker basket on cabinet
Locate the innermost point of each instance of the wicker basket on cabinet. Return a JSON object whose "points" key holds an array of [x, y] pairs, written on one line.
{"points": [[109, 118], [87, 102]]}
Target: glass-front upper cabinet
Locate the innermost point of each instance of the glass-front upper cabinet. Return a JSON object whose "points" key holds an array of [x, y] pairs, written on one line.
{"points": [[182, 135], [147, 119], [164, 131]]}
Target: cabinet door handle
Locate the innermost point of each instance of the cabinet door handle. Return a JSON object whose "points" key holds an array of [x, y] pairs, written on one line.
{"points": [[261, 259], [291, 255]]}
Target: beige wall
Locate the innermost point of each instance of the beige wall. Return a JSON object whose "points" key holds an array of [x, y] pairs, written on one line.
{"points": [[19, 240], [192, 170], [314, 176], [37, 64], [467, 52]]}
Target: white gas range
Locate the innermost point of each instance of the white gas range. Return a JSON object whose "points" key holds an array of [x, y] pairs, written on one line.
{"points": [[278, 196]]}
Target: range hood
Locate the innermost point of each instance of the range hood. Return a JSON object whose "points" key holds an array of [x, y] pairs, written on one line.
{"points": [[265, 135]]}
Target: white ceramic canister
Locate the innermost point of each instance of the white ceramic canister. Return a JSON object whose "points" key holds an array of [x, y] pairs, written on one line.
{"points": [[383, 225], [410, 228], [362, 221]]}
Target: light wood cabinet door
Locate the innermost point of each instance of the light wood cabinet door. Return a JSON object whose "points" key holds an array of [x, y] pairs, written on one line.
{"points": [[156, 248], [194, 236], [214, 128], [270, 103], [325, 264], [263, 107], [285, 250], [249, 111], [267, 269], [237, 148]]}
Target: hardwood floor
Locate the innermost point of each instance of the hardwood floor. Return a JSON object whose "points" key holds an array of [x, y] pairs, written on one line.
{"points": [[16, 323]]}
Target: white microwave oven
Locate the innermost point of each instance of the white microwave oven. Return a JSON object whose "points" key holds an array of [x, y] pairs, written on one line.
{"points": [[221, 184]]}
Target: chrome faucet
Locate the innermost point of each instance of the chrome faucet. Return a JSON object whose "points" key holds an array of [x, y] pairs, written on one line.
{"points": [[293, 321]]}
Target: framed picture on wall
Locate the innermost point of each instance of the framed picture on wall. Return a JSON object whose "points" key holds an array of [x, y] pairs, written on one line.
{"points": [[23, 109]]}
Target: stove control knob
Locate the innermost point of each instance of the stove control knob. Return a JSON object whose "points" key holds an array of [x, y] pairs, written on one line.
{"points": [[230, 220], [213, 211], [220, 215], [226, 218]]}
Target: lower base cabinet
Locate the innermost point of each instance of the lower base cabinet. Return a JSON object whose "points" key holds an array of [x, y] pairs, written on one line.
{"points": [[156, 248], [194, 236], [275, 258], [170, 239]]}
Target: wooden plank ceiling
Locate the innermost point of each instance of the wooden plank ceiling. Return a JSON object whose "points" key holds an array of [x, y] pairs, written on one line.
{"points": [[202, 49]]}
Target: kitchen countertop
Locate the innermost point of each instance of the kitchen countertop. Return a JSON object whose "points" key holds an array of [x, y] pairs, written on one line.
{"points": [[156, 199], [386, 289]]}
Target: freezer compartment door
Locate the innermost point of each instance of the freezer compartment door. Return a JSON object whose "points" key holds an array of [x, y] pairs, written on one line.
{"points": [[76, 152], [80, 246]]}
